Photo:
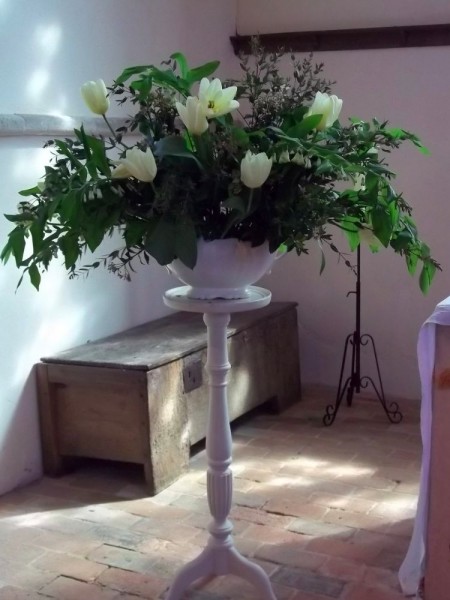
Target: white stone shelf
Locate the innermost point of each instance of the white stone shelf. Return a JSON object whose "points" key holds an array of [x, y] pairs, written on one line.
{"points": [[17, 125]]}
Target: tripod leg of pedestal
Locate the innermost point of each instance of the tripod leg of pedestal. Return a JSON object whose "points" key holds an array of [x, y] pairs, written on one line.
{"points": [[219, 557], [201, 566], [251, 572]]}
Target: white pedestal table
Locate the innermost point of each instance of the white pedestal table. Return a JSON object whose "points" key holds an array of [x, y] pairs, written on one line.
{"points": [[219, 557]]}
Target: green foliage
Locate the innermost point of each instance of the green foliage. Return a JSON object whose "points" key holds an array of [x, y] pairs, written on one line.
{"points": [[320, 177]]}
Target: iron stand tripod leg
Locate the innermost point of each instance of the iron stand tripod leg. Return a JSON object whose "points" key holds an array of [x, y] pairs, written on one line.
{"points": [[355, 382]]}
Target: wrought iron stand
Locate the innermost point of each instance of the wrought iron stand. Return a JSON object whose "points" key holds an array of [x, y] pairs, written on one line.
{"points": [[355, 382]]}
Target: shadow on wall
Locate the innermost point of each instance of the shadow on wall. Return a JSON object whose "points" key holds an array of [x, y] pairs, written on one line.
{"points": [[19, 430]]}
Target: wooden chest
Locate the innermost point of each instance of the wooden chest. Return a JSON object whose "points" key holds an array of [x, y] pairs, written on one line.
{"points": [[140, 396], [437, 572]]}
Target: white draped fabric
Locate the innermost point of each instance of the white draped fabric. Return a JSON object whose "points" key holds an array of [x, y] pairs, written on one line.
{"points": [[413, 567]]}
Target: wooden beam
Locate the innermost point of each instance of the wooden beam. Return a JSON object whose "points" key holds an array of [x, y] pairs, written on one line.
{"points": [[408, 36]]}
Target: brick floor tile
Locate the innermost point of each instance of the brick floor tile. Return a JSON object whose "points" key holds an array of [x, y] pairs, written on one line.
{"points": [[190, 503], [388, 559], [28, 578], [295, 507], [364, 592], [344, 549], [102, 515], [71, 566], [102, 534], [327, 512], [148, 586], [403, 528], [385, 578], [347, 570], [343, 502], [122, 558], [75, 545], [157, 511], [52, 521], [260, 517], [64, 588], [163, 554], [320, 529], [272, 535], [290, 555], [14, 593], [308, 596], [356, 520], [166, 530], [19, 552], [304, 580]]}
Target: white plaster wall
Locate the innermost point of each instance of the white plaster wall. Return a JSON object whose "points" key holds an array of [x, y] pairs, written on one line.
{"points": [[46, 53], [409, 87], [267, 16]]}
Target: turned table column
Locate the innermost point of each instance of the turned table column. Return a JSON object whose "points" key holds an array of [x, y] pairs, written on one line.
{"points": [[219, 557]]}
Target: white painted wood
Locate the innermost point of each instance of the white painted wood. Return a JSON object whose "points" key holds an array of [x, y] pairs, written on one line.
{"points": [[219, 557]]}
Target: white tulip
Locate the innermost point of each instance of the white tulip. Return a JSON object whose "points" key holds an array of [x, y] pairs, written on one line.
{"points": [[359, 185], [138, 164], [327, 106], [216, 101], [255, 169], [193, 115], [95, 96]]}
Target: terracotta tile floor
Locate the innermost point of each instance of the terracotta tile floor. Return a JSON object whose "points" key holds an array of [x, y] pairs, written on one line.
{"points": [[327, 512]]}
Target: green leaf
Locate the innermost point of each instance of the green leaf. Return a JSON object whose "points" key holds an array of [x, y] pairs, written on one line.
{"points": [[353, 239], [15, 245], [411, 262], [382, 225], [34, 191], [35, 276], [134, 232], [402, 240], [94, 233], [161, 242], [322, 260], [304, 127], [181, 62], [167, 78], [95, 152], [240, 137], [37, 235], [70, 249], [20, 218], [426, 276], [203, 71], [186, 242], [174, 145], [142, 86], [130, 71]]}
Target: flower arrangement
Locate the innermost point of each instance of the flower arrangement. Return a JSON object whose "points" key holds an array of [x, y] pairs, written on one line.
{"points": [[263, 160]]}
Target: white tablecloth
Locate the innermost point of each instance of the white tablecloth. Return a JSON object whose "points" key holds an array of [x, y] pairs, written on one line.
{"points": [[413, 567]]}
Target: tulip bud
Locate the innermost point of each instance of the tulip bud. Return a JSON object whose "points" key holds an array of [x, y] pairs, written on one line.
{"points": [[95, 95], [359, 185], [138, 164], [255, 169], [327, 106], [284, 157], [193, 115], [302, 161]]}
